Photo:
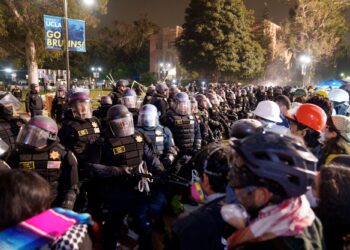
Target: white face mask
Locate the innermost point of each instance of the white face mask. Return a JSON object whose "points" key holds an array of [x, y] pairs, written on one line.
{"points": [[235, 215], [322, 138]]}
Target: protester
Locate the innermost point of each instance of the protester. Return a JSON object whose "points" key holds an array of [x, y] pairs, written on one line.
{"points": [[27, 222], [308, 123], [271, 174], [337, 139], [332, 191], [204, 228]]}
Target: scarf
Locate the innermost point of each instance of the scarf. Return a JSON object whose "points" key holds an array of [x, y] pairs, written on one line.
{"points": [[42, 229], [288, 218]]}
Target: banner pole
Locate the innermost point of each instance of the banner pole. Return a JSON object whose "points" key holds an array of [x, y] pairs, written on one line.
{"points": [[66, 43]]}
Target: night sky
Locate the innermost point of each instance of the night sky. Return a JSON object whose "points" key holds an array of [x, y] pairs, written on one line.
{"points": [[171, 12]]}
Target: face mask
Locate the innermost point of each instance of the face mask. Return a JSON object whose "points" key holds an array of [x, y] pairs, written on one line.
{"points": [[235, 215], [196, 189], [322, 139]]}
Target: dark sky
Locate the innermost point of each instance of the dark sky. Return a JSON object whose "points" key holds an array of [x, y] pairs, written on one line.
{"points": [[171, 12]]}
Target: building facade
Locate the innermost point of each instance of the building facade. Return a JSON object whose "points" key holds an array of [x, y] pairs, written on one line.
{"points": [[164, 58]]}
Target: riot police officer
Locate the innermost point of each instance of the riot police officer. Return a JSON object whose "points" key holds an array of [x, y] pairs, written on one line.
{"points": [[10, 123], [59, 104], [203, 116], [17, 92], [130, 101], [118, 91], [115, 165], [38, 150], [3, 151], [217, 122], [34, 101], [79, 128], [160, 100], [149, 95], [101, 112], [161, 136], [185, 129]]}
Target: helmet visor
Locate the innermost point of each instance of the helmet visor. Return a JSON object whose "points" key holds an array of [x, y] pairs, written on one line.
{"points": [[183, 107], [122, 127], [9, 100], [82, 109], [147, 120], [3, 147], [194, 107], [33, 136], [130, 102]]}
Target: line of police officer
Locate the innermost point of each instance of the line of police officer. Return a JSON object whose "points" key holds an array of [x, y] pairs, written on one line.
{"points": [[112, 163]]}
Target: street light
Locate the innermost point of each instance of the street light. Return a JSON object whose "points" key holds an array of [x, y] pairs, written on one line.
{"points": [[164, 70], [305, 60], [8, 70], [342, 75], [89, 2]]}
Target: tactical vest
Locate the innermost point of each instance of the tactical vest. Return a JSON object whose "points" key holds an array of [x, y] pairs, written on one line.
{"points": [[47, 164], [183, 132], [61, 101], [9, 131], [128, 151], [88, 131], [157, 137]]}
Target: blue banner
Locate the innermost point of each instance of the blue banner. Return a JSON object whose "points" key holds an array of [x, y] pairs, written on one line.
{"points": [[55, 30]]}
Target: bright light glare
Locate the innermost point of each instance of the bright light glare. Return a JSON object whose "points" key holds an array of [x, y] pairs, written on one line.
{"points": [[305, 59], [89, 2], [8, 70]]}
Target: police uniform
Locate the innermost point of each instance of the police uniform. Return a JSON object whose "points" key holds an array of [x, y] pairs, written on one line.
{"points": [[101, 114], [116, 189], [59, 106], [163, 143], [202, 118], [34, 104], [9, 129], [185, 131], [55, 165], [117, 97], [76, 133], [17, 92], [161, 104]]}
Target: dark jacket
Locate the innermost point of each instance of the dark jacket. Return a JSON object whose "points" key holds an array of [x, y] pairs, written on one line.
{"points": [[202, 229], [34, 102], [58, 166]]}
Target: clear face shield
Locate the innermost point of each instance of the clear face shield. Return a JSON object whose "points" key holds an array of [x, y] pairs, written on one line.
{"points": [[3, 148], [82, 110], [33, 136], [9, 101], [130, 101], [183, 107], [148, 119], [194, 107], [122, 127]]}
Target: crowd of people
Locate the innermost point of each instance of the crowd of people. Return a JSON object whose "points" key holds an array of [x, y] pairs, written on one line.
{"points": [[182, 167]]}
